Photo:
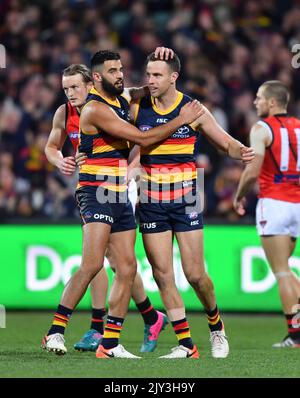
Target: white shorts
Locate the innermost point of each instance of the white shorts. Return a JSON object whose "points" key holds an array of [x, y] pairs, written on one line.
{"points": [[277, 217], [132, 193]]}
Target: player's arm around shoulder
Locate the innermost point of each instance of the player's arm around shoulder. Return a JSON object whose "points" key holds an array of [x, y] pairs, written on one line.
{"points": [[221, 139], [133, 94], [101, 116], [96, 116], [56, 141]]}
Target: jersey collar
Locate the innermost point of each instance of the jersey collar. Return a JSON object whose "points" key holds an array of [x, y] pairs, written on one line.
{"points": [[171, 108], [115, 102]]}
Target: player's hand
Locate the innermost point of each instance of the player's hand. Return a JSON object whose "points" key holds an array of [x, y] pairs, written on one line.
{"points": [[191, 111], [239, 206], [164, 53], [247, 154], [80, 158], [67, 165]]}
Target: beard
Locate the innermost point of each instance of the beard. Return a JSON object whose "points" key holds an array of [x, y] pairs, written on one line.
{"points": [[111, 88]]}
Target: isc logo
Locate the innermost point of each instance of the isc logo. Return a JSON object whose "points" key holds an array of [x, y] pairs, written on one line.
{"points": [[161, 120]]}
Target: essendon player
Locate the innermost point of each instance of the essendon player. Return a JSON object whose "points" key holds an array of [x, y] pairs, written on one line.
{"points": [[77, 82], [276, 140]]}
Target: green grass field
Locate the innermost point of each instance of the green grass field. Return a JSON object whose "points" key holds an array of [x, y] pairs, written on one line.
{"points": [[250, 338]]}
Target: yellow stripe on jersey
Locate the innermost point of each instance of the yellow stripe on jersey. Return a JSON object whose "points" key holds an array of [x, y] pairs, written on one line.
{"points": [[109, 148], [126, 96], [168, 149], [170, 178], [104, 170], [117, 188], [136, 110]]}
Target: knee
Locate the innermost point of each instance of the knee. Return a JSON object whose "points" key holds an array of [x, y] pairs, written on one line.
{"points": [[163, 279], [127, 270], [90, 270], [196, 278]]}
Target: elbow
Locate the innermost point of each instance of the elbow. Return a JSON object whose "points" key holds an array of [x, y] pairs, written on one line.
{"points": [[252, 176], [144, 142], [49, 152]]}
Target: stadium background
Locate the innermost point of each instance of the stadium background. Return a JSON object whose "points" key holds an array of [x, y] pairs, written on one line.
{"points": [[227, 49]]}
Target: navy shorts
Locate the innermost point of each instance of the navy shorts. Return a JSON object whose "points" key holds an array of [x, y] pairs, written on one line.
{"points": [[161, 217], [119, 215]]}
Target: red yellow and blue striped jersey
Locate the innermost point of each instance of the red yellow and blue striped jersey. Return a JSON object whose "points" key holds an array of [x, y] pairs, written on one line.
{"points": [[169, 168], [106, 163]]}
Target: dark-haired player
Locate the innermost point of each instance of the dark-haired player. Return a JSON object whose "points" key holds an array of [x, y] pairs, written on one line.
{"points": [[102, 196], [77, 82], [276, 141], [168, 202]]}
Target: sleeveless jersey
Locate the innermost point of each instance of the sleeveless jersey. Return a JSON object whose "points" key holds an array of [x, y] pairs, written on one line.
{"points": [[72, 124], [280, 174], [106, 163], [169, 169]]}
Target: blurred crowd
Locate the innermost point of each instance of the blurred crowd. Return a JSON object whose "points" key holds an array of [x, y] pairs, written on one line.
{"points": [[227, 49]]}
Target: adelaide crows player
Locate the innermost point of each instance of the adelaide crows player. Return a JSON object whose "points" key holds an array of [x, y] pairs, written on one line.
{"points": [[168, 202], [104, 134], [77, 82]]}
